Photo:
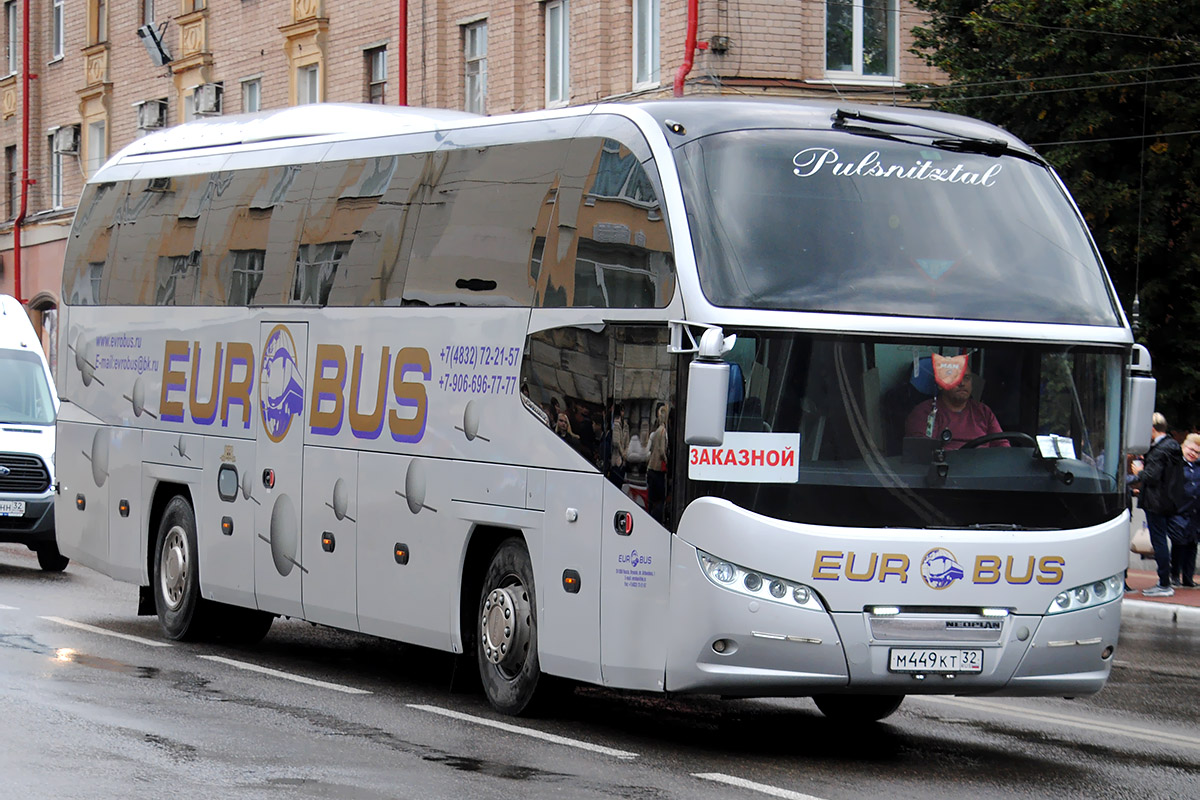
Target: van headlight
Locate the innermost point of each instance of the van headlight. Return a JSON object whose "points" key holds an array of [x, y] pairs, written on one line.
{"points": [[757, 584], [1089, 594]]}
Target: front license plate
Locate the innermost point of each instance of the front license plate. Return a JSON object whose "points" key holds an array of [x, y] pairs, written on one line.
{"points": [[927, 659], [12, 508]]}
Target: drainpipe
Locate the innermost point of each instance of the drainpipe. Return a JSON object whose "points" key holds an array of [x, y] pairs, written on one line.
{"points": [[693, 11], [402, 55], [25, 182]]}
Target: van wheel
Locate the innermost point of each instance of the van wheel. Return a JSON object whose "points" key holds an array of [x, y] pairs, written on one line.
{"points": [[858, 707], [507, 635], [50, 560], [181, 610]]}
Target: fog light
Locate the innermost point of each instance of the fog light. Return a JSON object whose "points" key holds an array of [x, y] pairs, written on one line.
{"points": [[720, 646], [753, 581], [1107, 654]]}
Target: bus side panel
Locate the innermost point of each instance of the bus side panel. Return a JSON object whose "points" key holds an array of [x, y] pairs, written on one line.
{"points": [[81, 507], [227, 559], [406, 501], [635, 585], [329, 541], [569, 624], [126, 535]]}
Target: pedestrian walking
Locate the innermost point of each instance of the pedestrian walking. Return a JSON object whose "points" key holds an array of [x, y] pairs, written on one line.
{"points": [[1161, 494]]}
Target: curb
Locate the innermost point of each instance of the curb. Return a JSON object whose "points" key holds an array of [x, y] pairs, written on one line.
{"points": [[1163, 612]]}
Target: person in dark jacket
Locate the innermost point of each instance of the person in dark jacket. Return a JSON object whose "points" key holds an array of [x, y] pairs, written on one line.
{"points": [[1183, 548], [1161, 478]]}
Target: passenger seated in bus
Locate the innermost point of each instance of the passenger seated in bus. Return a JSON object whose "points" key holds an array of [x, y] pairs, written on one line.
{"points": [[954, 409]]}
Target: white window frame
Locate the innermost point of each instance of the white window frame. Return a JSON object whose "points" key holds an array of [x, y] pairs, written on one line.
{"points": [[856, 70], [646, 67], [308, 84], [558, 64], [97, 145], [56, 174], [251, 95], [12, 38], [56, 30], [475, 66], [376, 58]]}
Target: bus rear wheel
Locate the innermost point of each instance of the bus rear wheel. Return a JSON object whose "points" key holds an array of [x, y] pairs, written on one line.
{"points": [[507, 632], [176, 580], [858, 707]]}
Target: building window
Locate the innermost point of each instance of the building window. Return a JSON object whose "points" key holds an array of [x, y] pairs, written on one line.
{"points": [[11, 43], [97, 21], [252, 95], [557, 73], [194, 5], [645, 43], [147, 12], [56, 176], [10, 181], [56, 30], [475, 57], [308, 84], [860, 37], [245, 276], [97, 146], [376, 63]]}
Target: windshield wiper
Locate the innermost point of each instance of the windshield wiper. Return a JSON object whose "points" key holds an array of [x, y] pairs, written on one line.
{"points": [[942, 139]]}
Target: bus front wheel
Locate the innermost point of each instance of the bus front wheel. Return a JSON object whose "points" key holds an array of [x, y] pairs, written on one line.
{"points": [[176, 579], [858, 707], [50, 560], [507, 632]]}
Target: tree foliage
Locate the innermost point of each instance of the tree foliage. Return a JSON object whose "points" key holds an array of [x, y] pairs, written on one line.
{"points": [[1109, 92]]}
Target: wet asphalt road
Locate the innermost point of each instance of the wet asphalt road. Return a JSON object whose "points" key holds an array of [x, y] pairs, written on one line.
{"points": [[85, 713]]}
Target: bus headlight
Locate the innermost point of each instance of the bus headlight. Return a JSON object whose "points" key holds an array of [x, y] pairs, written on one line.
{"points": [[760, 585], [1089, 594]]}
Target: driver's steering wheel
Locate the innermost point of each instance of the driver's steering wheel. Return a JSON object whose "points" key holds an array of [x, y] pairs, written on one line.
{"points": [[1009, 436]]}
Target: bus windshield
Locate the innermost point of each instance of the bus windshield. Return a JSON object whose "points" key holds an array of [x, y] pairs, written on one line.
{"points": [[830, 221], [879, 443]]}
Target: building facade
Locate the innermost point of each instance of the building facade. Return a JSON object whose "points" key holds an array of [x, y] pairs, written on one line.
{"points": [[102, 73]]}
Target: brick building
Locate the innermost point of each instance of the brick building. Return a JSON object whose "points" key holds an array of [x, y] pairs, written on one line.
{"points": [[102, 73]]}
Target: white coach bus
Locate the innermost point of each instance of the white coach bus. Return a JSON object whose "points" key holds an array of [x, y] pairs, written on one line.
{"points": [[619, 394]]}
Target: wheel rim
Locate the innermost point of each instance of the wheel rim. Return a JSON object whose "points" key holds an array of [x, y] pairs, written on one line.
{"points": [[506, 624], [173, 567]]}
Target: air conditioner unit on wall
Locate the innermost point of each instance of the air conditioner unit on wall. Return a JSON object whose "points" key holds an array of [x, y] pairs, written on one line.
{"points": [[66, 139], [206, 98], [151, 115]]}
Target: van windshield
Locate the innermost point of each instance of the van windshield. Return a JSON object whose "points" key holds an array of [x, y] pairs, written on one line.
{"points": [[829, 221], [24, 392]]}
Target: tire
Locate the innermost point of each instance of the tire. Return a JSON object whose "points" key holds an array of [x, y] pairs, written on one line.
{"points": [[858, 707], [506, 637], [50, 560], [182, 612]]}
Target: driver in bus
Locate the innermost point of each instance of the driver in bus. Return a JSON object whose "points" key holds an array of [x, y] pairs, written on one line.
{"points": [[953, 408]]}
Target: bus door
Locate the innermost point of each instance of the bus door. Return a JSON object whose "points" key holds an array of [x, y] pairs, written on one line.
{"points": [[279, 458]]}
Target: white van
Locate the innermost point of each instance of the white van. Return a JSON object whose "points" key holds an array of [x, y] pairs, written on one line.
{"points": [[28, 408]]}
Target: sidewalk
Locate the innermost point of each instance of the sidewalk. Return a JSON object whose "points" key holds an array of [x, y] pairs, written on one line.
{"points": [[1182, 608]]}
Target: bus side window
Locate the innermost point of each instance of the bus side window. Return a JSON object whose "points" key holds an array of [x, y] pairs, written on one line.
{"points": [[609, 246], [481, 214], [95, 227], [159, 227]]}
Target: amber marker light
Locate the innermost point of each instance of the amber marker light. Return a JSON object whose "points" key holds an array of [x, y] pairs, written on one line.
{"points": [[401, 553], [571, 582], [80, 502]]}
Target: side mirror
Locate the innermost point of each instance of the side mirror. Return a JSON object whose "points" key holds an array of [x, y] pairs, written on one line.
{"points": [[708, 391], [1140, 388]]}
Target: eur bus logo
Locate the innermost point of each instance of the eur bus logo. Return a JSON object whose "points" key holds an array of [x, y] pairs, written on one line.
{"points": [[280, 385]]}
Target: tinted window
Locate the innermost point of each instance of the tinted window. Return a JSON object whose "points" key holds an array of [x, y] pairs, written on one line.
{"points": [[158, 225], [822, 221], [482, 210], [608, 246], [92, 242]]}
